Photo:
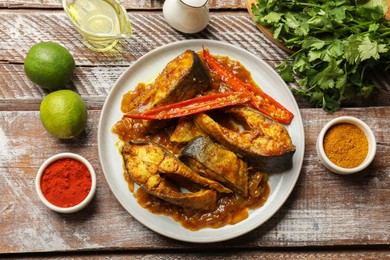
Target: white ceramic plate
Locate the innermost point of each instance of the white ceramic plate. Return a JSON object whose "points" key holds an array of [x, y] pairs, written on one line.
{"points": [[146, 69]]}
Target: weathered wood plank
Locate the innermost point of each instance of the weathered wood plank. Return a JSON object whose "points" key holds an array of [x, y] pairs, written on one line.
{"points": [[18, 93], [22, 29], [235, 254], [324, 209], [129, 4]]}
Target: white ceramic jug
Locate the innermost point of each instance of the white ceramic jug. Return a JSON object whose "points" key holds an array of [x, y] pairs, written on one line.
{"points": [[187, 16]]}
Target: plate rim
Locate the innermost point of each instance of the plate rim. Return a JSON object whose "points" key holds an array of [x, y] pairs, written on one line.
{"points": [[182, 44]]}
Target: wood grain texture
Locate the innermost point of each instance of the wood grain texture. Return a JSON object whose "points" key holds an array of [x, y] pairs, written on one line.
{"points": [[21, 29], [324, 209], [225, 254], [327, 216]]}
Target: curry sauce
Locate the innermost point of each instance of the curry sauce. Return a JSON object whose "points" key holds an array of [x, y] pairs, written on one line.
{"points": [[230, 208]]}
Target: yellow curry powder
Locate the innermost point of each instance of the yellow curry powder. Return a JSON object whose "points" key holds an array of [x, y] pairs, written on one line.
{"points": [[346, 145]]}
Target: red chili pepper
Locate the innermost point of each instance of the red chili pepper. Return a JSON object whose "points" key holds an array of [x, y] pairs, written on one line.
{"points": [[193, 106], [259, 99]]}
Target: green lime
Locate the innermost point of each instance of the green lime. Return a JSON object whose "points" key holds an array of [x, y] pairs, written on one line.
{"points": [[63, 114], [49, 65]]}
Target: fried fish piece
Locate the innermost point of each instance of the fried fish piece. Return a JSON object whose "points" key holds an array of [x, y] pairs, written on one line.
{"points": [[183, 78], [153, 167], [214, 162], [186, 130], [264, 143]]}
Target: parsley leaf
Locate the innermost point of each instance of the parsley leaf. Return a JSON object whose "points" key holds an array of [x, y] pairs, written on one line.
{"points": [[370, 49], [335, 42]]}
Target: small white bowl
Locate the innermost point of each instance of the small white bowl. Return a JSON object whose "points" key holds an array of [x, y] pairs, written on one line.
{"points": [[83, 203], [362, 126]]}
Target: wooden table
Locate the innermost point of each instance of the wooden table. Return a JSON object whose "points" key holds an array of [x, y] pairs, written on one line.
{"points": [[326, 216]]}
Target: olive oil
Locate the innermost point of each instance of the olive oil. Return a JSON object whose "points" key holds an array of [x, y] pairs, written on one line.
{"points": [[101, 23], [95, 16]]}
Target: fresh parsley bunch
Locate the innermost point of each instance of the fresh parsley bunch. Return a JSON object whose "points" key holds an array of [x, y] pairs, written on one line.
{"points": [[335, 45]]}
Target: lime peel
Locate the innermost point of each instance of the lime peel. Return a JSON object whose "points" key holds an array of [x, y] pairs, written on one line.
{"points": [[63, 114], [49, 65]]}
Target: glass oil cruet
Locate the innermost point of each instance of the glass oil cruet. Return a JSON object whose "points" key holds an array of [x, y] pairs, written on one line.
{"points": [[101, 23], [187, 16]]}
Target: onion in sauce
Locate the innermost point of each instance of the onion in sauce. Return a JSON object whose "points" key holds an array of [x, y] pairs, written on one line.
{"points": [[230, 208]]}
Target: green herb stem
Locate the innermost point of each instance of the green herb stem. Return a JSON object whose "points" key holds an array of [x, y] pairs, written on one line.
{"points": [[335, 42]]}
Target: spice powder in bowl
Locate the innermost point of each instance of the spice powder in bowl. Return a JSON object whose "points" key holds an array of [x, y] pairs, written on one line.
{"points": [[346, 145], [66, 182]]}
